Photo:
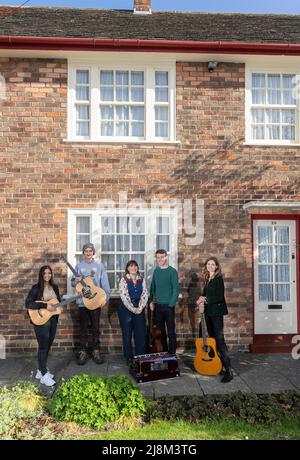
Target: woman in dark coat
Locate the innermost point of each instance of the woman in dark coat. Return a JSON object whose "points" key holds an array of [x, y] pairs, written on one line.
{"points": [[213, 303], [38, 296]]}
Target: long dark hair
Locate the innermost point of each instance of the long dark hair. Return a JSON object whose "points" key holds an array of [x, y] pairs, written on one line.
{"points": [[206, 272], [41, 282], [132, 262]]}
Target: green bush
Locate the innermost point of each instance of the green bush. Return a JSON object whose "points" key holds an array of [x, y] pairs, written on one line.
{"points": [[97, 401], [20, 402], [249, 407]]}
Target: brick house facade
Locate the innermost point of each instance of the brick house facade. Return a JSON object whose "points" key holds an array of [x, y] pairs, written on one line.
{"points": [[47, 175]]}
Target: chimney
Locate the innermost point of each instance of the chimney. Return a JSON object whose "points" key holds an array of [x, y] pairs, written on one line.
{"points": [[142, 6]]}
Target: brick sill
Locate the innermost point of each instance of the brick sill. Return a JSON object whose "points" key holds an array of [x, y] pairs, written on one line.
{"points": [[86, 141], [270, 145]]}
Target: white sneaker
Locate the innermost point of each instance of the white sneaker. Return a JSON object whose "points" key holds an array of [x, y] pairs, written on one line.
{"points": [[39, 375], [47, 380]]}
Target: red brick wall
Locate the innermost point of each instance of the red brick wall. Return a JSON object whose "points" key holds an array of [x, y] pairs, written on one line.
{"points": [[41, 177]]}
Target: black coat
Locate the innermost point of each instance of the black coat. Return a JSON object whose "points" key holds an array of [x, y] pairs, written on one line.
{"points": [[214, 293], [32, 297]]}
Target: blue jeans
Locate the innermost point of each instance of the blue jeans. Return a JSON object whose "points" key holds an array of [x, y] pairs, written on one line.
{"points": [[132, 324]]}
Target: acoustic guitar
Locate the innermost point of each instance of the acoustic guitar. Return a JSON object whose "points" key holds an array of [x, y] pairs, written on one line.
{"points": [[42, 316], [207, 360], [92, 296]]}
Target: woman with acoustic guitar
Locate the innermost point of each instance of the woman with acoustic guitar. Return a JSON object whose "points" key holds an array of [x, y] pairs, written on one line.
{"points": [[213, 303], [39, 298], [131, 310]]}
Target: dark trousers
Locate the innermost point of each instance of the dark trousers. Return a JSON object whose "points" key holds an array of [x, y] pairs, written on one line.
{"points": [[215, 328], [165, 316], [45, 335], [132, 324], [89, 317]]}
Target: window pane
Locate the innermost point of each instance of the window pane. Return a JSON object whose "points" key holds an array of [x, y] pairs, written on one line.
{"points": [[137, 113], [161, 95], [111, 279], [137, 78], [288, 133], [258, 115], [108, 243], [161, 113], [274, 81], [282, 292], [82, 129], [281, 234], [122, 260], [288, 116], [108, 261], [106, 77], [258, 132], [138, 243], [82, 112], [140, 259], [82, 77], [265, 254], [282, 273], [138, 224], [122, 129], [137, 129], [258, 96], [161, 130], [161, 78], [108, 224], [82, 93], [258, 80], [122, 78], [273, 132], [107, 128], [83, 224], [81, 240], [274, 97], [137, 94], [162, 224], [162, 242], [281, 254], [107, 112], [123, 243], [122, 112], [123, 224], [122, 93], [107, 94], [265, 292], [265, 273], [264, 235], [272, 116]]}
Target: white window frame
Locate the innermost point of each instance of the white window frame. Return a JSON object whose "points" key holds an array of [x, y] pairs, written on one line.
{"points": [[249, 106], [150, 236], [149, 69]]}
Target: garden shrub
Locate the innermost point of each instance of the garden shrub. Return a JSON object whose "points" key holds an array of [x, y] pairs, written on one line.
{"points": [[20, 402], [249, 407], [97, 401]]}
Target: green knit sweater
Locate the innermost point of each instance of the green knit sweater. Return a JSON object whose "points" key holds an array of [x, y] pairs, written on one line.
{"points": [[165, 286]]}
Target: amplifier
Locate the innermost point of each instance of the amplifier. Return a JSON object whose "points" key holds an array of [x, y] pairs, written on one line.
{"points": [[155, 366]]}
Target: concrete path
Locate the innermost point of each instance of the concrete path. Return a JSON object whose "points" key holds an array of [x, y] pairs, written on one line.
{"points": [[259, 373]]}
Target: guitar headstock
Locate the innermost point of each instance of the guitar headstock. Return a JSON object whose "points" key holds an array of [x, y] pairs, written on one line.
{"points": [[63, 258]]}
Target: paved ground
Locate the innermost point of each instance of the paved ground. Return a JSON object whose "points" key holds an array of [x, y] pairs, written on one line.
{"points": [[259, 373]]}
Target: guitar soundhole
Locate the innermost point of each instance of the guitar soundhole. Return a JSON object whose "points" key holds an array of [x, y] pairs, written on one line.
{"points": [[207, 349]]}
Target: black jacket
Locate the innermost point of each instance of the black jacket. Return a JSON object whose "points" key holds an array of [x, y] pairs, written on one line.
{"points": [[32, 297], [214, 292]]}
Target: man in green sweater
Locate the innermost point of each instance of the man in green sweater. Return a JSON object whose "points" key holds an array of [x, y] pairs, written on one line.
{"points": [[164, 293]]}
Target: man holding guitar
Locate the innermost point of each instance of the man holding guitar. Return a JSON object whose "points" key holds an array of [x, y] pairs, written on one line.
{"points": [[88, 268]]}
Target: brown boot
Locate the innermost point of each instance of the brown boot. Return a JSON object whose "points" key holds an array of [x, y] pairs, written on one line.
{"points": [[97, 357], [82, 357]]}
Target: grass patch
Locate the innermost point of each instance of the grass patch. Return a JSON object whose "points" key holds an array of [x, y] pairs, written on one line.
{"points": [[287, 429]]}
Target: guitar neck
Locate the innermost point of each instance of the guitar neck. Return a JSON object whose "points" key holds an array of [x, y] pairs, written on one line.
{"points": [[66, 301], [72, 269], [203, 328]]}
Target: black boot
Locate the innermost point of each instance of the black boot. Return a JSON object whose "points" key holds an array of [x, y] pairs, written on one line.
{"points": [[228, 376]]}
